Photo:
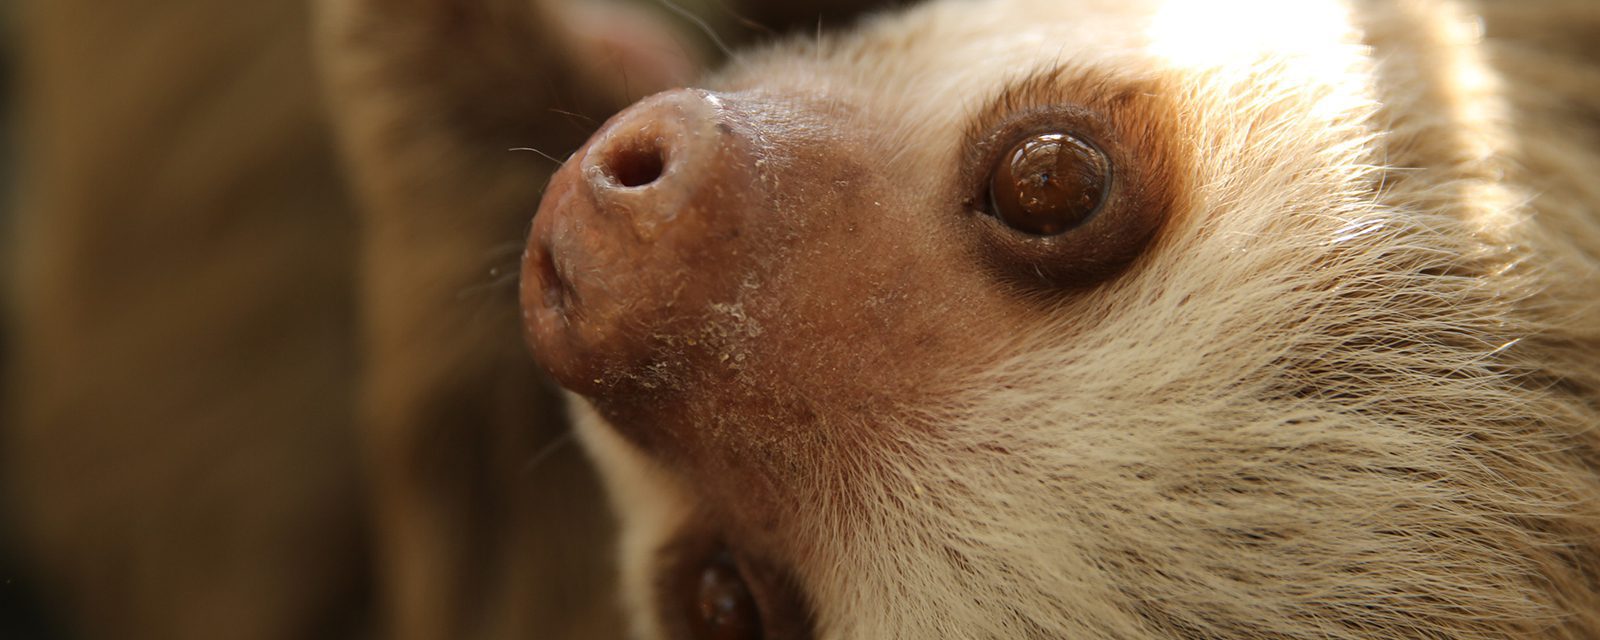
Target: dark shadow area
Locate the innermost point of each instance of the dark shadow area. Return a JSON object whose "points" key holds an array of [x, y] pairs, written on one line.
{"points": [[22, 610]]}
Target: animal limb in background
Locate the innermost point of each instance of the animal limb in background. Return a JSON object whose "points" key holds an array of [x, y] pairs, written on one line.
{"points": [[183, 451]]}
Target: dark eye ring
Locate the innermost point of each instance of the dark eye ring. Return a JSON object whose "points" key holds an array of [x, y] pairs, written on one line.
{"points": [[1048, 183], [711, 590], [720, 605]]}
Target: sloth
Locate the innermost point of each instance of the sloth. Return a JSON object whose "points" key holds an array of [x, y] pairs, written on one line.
{"points": [[981, 318], [1133, 319]]}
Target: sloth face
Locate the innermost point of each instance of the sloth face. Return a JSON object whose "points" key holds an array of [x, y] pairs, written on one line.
{"points": [[1081, 319]]}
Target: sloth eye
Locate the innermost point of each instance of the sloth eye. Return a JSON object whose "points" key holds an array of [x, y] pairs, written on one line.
{"points": [[708, 590], [1048, 183], [720, 604]]}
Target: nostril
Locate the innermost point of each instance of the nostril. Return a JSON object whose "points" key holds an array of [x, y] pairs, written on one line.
{"points": [[555, 290], [637, 164]]}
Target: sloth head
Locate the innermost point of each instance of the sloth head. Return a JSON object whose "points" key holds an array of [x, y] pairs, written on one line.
{"points": [[1085, 319]]}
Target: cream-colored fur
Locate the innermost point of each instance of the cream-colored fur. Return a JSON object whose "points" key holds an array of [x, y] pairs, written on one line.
{"points": [[1352, 392]]}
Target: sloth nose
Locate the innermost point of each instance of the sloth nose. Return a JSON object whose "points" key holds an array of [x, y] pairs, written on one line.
{"points": [[647, 164], [631, 231]]}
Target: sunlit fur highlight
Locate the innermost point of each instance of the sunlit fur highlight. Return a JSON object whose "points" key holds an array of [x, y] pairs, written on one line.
{"points": [[1352, 392]]}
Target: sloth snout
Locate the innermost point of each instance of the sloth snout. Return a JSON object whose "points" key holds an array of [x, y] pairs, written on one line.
{"points": [[631, 233]]}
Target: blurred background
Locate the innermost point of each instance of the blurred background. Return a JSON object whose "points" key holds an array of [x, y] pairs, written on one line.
{"points": [[22, 614], [200, 436]]}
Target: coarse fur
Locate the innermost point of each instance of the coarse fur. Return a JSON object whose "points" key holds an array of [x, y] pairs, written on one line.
{"points": [[1351, 390]]}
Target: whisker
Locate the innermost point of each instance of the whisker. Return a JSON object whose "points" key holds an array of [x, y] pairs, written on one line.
{"points": [[550, 449], [706, 28], [556, 93], [627, 87], [547, 156], [818, 47], [573, 115], [503, 250], [744, 21], [499, 278]]}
